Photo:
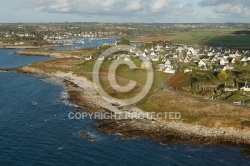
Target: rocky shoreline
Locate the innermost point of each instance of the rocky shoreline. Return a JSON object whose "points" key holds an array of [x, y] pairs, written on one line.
{"points": [[82, 93]]}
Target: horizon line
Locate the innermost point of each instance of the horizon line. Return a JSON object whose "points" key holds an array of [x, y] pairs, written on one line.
{"points": [[66, 22]]}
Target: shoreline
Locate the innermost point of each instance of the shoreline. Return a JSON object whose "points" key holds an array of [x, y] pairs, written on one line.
{"points": [[29, 46], [57, 55], [82, 93]]}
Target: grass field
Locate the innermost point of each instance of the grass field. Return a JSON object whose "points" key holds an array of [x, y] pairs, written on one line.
{"points": [[193, 38], [155, 38], [124, 74], [218, 37], [231, 41]]}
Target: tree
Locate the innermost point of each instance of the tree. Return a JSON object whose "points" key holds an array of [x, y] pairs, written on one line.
{"points": [[245, 75], [237, 61], [123, 41], [222, 75]]}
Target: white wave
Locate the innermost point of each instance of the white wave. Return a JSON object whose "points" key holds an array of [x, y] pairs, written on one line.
{"points": [[64, 99], [34, 103], [118, 134], [93, 137], [52, 80]]}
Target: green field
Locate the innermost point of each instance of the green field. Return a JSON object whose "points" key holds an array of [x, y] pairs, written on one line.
{"points": [[123, 71], [231, 41], [194, 38], [217, 37]]}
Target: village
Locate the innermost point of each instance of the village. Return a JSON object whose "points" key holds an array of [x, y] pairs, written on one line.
{"points": [[228, 69]]}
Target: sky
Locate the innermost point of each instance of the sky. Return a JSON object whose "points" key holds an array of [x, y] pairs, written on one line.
{"points": [[120, 11]]}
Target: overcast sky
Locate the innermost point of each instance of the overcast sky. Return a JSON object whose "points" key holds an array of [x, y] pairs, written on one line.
{"points": [[147, 11]]}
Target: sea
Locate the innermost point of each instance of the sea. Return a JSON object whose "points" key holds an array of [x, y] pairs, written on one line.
{"points": [[35, 130]]}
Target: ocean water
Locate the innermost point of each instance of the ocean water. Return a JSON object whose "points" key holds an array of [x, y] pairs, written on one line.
{"points": [[35, 130], [8, 58], [87, 43]]}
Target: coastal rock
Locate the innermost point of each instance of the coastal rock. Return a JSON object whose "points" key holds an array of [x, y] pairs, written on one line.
{"points": [[88, 136]]}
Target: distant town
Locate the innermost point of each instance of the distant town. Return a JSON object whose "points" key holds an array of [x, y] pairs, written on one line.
{"points": [[210, 60]]}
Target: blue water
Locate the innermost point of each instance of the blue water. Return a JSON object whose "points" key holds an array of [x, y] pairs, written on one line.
{"points": [[87, 43], [35, 130], [8, 58]]}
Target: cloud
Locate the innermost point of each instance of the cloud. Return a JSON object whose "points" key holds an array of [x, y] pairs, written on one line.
{"points": [[219, 2], [71, 6], [121, 8], [214, 2], [107, 4], [134, 6], [61, 5], [230, 9], [159, 5]]}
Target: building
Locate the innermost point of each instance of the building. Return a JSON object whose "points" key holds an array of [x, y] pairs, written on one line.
{"points": [[201, 63], [246, 88]]}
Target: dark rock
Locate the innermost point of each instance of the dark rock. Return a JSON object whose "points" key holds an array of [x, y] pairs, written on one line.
{"points": [[76, 111]]}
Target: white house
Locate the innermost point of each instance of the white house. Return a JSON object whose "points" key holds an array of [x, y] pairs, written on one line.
{"points": [[187, 70], [186, 60], [232, 55], [237, 54], [153, 54], [169, 70], [181, 60], [168, 47], [223, 61], [194, 51], [88, 58], [214, 59], [167, 63], [210, 54], [201, 63], [225, 56], [161, 67], [155, 58], [246, 88], [101, 58], [233, 61], [229, 67], [138, 54], [180, 49], [144, 54], [244, 59], [127, 59], [158, 48], [230, 88], [248, 59]]}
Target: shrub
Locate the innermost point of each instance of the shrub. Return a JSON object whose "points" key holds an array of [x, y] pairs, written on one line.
{"points": [[222, 75]]}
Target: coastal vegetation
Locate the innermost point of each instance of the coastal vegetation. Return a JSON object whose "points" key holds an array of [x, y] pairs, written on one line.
{"points": [[194, 109]]}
